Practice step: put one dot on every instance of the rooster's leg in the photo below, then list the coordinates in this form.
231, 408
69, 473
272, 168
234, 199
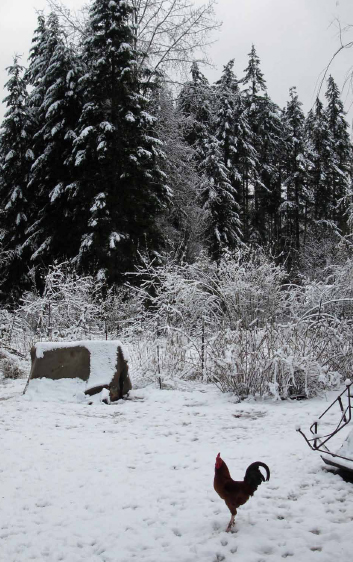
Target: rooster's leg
231, 523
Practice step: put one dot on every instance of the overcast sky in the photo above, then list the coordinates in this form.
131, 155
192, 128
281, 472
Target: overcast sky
295, 40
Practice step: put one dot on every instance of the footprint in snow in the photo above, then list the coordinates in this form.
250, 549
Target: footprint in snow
267, 549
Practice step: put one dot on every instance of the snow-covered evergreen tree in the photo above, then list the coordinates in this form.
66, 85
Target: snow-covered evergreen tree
15, 162
318, 146
267, 193
195, 103
56, 118
255, 103
43, 44
223, 226
296, 164
329, 175
340, 155
234, 136
121, 188
254, 81
228, 111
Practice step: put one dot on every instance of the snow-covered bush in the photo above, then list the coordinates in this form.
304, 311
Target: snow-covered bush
324, 248
273, 360
240, 326
250, 289
244, 288
235, 323
10, 367
71, 306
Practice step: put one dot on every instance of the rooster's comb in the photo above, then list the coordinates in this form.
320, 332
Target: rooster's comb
219, 461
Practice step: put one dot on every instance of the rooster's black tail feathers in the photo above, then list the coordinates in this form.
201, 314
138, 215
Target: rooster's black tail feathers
254, 477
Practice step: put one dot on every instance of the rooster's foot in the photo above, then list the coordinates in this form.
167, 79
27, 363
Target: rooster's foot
231, 524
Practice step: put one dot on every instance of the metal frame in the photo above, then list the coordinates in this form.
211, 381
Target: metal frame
318, 442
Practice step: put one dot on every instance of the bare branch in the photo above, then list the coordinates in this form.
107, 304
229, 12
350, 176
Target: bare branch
170, 34
73, 22
343, 45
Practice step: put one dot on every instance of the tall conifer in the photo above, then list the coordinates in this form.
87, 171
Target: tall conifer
255, 95
296, 165
15, 163
340, 155
195, 103
57, 108
121, 187
223, 227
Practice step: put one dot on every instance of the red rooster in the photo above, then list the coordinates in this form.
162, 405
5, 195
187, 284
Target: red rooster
236, 493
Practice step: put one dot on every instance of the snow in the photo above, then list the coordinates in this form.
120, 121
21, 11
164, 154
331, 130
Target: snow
107, 127
102, 357
87, 241
148, 117
124, 47
99, 202
86, 132
129, 117
64, 391
134, 480
101, 146
20, 217
56, 192
10, 155
42, 248
346, 450
114, 239
142, 153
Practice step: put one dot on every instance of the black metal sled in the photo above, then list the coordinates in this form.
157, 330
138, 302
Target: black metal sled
318, 442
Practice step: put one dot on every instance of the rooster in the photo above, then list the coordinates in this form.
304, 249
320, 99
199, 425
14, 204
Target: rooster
236, 493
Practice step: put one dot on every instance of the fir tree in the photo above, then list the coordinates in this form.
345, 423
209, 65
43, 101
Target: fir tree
228, 112
255, 102
297, 199
43, 45
195, 103
267, 192
234, 136
340, 155
121, 188
15, 162
318, 145
51, 172
223, 227
254, 79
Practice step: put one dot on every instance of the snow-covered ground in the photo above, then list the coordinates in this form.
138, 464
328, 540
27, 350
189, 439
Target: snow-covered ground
134, 480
